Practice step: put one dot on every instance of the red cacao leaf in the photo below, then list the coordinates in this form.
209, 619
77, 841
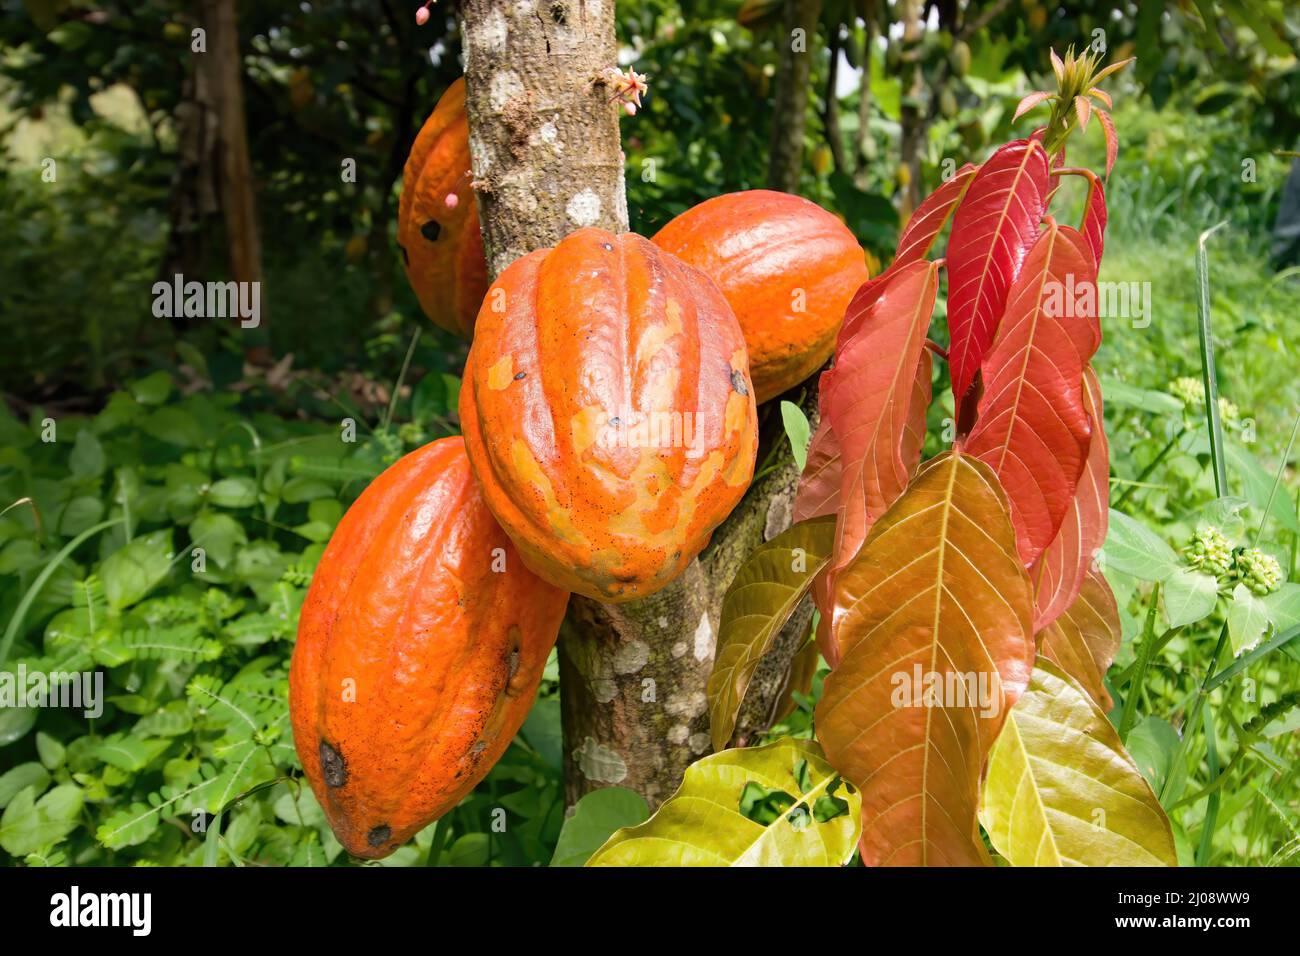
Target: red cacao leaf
1094, 217
1060, 571
1029, 102
1112, 139
1084, 641
1082, 110
1032, 427
819, 485
870, 396
937, 588
931, 216
992, 230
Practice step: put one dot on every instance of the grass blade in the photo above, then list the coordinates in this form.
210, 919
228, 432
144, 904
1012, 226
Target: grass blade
1208, 374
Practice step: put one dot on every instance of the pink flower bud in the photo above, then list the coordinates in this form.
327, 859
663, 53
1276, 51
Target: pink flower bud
629, 109
451, 201
422, 16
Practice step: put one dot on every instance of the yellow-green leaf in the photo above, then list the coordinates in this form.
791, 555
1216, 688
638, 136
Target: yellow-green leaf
702, 823
761, 599
1062, 791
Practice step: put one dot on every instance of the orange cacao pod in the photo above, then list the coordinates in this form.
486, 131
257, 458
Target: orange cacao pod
608, 412
442, 248
788, 268
421, 644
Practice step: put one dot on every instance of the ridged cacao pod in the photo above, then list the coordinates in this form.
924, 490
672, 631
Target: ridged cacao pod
788, 268
421, 644
608, 412
442, 248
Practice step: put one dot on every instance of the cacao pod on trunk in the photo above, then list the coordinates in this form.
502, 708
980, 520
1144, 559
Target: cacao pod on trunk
442, 248
787, 267
421, 644
608, 412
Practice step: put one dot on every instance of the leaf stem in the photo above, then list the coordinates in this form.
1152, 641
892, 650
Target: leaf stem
1208, 373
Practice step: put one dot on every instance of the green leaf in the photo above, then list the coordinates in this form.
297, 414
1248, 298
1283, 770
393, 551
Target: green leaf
1152, 743
1116, 392
1060, 790
1190, 596
1133, 548
20, 778
87, 458
29, 825
763, 595
797, 430
15, 722
701, 824
132, 571
152, 389
80, 513
594, 819
472, 849
50, 751
219, 535
542, 731
1247, 620
1283, 606
238, 492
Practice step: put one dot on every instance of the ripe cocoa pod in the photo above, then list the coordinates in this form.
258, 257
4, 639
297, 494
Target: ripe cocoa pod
440, 241
788, 269
608, 412
421, 644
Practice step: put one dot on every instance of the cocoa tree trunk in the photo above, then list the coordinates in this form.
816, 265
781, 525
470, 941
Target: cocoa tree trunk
911, 117
544, 144
790, 102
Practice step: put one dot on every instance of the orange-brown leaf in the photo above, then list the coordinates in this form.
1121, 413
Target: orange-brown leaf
937, 588
1084, 640
1058, 574
870, 396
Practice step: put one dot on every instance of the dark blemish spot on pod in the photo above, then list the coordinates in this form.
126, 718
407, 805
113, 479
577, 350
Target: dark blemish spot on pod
333, 766
513, 666
520, 376
609, 247
479, 747
738, 382
379, 835
431, 230
406, 258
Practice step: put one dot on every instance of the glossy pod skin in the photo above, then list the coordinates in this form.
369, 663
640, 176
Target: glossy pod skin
421, 644
608, 412
787, 267
442, 248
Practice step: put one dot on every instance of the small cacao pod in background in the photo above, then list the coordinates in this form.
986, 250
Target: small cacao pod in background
788, 269
608, 412
437, 219
421, 644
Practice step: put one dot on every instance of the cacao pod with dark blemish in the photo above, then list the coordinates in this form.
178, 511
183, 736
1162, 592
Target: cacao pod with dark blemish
419, 652
441, 243
632, 434
787, 267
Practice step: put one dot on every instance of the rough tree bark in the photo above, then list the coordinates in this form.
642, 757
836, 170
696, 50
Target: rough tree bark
912, 119
544, 143
790, 100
